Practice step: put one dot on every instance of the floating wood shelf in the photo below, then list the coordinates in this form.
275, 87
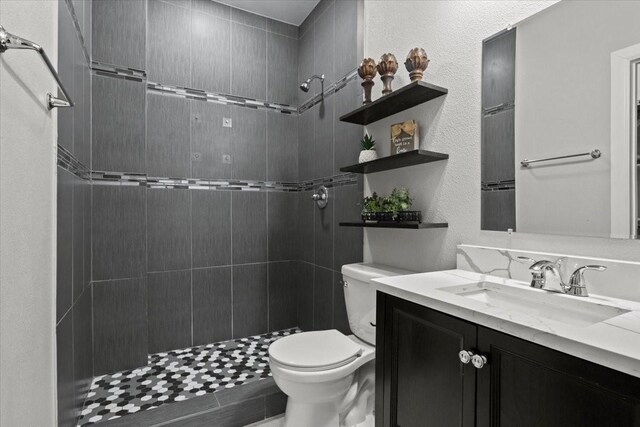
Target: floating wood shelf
406, 225
410, 158
399, 100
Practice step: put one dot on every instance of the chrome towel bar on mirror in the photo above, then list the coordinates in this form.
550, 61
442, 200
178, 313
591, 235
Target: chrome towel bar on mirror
11, 41
595, 154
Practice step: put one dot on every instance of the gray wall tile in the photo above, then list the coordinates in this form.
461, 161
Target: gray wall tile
169, 310
88, 6
120, 325
282, 28
306, 64
249, 144
306, 141
275, 404
322, 165
168, 229
347, 136
86, 231
211, 305
210, 53
282, 290
240, 414
324, 44
250, 304
82, 111
304, 295
323, 238
346, 42
118, 232
67, 41
168, 60
306, 227
82, 346
119, 32
211, 228
78, 235
168, 134
348, 240
249, 229
340, 318
322, 298
282, 216
282, 147
248, 61
282, 69
81, 148
210, 140
118, 125
64, 243
248, 18
64, 364
212, 8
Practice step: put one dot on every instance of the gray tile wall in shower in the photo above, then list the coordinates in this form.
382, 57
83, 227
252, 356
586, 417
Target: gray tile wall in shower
73, 291
204, 266
330, 43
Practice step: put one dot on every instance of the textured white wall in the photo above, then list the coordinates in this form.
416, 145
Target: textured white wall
563, 106
451, 32
27, 218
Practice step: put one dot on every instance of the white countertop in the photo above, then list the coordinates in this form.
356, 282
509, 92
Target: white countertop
614, 343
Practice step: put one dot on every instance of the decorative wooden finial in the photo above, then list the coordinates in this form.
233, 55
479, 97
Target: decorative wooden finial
387, 68
367, 71
416, 63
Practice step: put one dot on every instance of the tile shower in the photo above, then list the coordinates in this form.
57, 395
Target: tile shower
177, 229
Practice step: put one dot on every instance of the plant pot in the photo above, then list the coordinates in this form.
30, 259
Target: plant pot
367, 156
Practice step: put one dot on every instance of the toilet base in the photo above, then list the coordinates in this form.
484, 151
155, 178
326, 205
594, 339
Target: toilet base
311, 414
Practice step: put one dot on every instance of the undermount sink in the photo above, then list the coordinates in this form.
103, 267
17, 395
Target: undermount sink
553, 306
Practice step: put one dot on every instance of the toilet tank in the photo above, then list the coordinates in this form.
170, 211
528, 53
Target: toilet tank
360, 296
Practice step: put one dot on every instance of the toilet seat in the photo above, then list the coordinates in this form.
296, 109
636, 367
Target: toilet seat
314, 351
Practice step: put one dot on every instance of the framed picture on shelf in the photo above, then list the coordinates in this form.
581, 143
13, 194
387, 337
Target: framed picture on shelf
404, 137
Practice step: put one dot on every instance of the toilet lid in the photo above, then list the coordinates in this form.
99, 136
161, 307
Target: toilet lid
314, 351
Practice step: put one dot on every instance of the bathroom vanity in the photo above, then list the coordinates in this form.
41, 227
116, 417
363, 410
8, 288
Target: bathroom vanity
463, 348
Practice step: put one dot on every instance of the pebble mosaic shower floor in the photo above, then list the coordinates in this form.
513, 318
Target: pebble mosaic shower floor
178, 375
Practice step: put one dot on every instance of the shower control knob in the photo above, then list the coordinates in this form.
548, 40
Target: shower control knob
321, 197
479, 361
465, 356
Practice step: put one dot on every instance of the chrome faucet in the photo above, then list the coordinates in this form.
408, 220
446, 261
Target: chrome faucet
577, 285
539, 270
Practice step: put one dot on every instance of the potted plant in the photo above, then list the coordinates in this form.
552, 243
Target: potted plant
368, 152
392, 208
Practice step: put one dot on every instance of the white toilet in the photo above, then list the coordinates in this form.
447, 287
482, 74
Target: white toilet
328, 376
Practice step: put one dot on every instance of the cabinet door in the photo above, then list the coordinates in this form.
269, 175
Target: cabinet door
527, 385
421, 381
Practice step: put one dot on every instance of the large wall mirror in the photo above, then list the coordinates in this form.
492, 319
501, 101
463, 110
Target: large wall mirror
560, 105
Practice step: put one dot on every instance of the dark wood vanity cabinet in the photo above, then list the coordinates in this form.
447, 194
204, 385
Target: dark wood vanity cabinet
420, 380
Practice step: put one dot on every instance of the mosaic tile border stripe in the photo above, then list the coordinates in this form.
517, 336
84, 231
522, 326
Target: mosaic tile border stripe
131, 179
108, 70
219, 98
67, 161
499, 186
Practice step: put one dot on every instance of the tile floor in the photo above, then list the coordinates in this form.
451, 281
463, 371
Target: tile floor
178, 375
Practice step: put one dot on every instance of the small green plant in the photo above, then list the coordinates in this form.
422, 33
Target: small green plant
398, 201
367, 142
372, 203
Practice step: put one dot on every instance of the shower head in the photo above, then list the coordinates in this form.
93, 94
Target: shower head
304, 86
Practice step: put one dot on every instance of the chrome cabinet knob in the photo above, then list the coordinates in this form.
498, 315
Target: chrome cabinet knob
465, 356
478, 361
